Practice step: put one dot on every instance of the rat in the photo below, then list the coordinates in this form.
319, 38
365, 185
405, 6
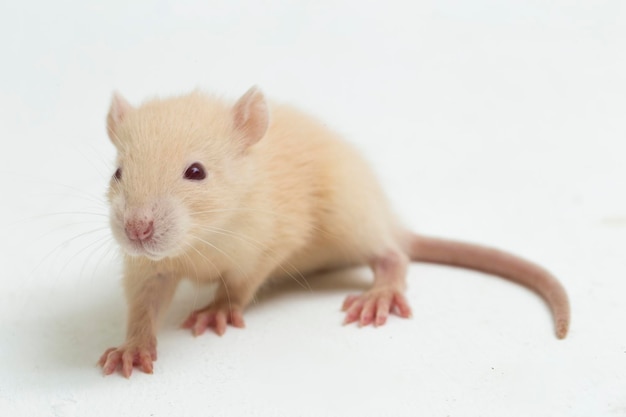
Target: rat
237, 194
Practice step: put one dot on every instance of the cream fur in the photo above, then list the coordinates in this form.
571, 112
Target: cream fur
302, 194
284, 196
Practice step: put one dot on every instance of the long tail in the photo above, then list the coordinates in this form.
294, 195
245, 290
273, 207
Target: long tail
500, 263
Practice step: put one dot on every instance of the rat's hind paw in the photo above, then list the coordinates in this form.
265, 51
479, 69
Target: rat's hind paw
215, 317
374, 306
128, 356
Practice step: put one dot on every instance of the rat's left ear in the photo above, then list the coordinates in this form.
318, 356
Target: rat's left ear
117, 112
251, 116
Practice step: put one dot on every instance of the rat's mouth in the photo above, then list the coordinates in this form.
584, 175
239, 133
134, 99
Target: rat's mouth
153, 249
148, 248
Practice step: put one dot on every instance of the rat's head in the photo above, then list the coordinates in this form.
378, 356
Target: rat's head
181, 168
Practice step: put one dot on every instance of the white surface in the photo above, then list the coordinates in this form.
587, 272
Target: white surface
497, 122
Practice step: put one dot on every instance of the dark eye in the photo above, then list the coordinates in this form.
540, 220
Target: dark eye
118, 174
195, 172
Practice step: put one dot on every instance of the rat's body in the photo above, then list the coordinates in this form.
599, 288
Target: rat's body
235, 195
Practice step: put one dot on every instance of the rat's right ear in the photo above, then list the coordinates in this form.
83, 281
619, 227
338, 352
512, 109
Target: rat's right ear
117, 112
251, 116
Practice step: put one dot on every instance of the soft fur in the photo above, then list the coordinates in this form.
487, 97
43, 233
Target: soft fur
283, 196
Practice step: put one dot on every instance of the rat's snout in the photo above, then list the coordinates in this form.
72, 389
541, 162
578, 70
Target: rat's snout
139, 229
148, 229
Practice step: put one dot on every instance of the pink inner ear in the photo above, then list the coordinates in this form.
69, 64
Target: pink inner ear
251, 116
117, 112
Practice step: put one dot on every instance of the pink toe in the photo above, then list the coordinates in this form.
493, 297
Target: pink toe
111, 363
367, 314
127, 363
353, 313
145, 360
349, 301
236, 318
104, 356
382, 311
220, 322
191, 320
402, 305
202, 322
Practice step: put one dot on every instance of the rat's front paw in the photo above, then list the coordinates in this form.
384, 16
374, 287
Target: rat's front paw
215, 316
127, 356
374, 306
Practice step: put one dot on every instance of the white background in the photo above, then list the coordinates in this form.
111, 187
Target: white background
489, 121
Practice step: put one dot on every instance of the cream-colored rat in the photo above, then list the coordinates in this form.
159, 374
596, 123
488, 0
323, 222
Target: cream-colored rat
236, 194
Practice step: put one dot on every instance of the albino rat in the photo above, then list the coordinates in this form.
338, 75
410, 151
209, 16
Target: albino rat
236, 194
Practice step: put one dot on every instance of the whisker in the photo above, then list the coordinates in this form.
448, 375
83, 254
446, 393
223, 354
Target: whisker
58, 229
196, 276
99, 240
92, 253
111, 252
65, 242
82, 193
218, 272
261, 246
50, 194
335, 238
276, 214
62, 213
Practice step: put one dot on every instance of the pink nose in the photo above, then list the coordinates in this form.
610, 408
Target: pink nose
140, 230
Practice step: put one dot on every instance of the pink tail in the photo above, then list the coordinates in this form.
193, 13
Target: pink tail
497, 262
